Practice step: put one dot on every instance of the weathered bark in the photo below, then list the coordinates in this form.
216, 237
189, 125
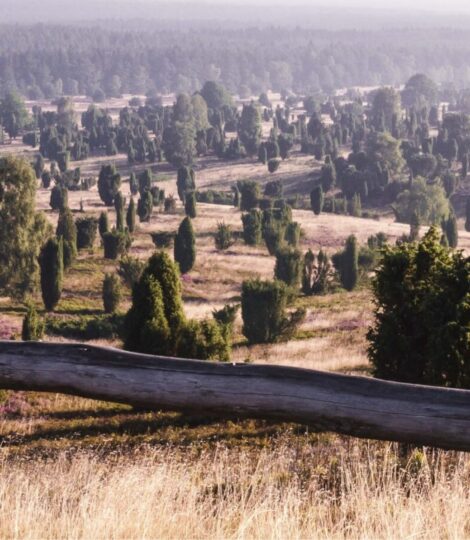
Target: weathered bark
358, 406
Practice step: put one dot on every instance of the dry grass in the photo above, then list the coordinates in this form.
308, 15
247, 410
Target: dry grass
282, 492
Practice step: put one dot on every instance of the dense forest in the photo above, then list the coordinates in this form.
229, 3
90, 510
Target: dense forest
47, 60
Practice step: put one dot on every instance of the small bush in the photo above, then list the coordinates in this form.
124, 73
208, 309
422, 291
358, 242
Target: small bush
130, 269
163, 239
116, 244
288, 266
87, 227
223, 238
316, 273
292, 235
111, 293
33, 325
264, 314
252, 227
274, 164
203, 340
103, 223
346, 263
169, 205
190, 204
59, 198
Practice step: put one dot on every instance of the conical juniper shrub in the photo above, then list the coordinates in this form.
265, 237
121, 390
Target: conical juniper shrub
185, 246
51, 262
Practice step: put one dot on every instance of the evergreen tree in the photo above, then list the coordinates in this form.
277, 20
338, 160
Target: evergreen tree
223, 238
250, 194
145, 207
130, 216
33, 326
111, 293
22, 230
292, 235
103, 224
420, 334
288, 266
185, 182
67, 230
59, 197
109, 182
252, 227
116, 243
86, 231
190, 204
316, 273
264, 314
316, 200
39, 165
185, 246
449, 227
119, 206
346, 263
249, 130
51, 261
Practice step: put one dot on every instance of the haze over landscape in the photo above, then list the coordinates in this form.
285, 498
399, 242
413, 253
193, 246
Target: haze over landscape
234, 269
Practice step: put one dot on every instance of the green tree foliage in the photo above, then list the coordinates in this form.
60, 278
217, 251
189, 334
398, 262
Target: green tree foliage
427, 199
111, 293
288, 266
130, 216
67, 230
274, 164
103, 223
109, 182
119, 206
449, 227
33, 326
422, 317
316, 200
386, 106
223, 237
203, 340
13, 114
185, 246
130, 269
86, 231
252, 227
216, 96
59, 197
185, 182
316, 273
146, 327
145, 207
346, 263
190, 204
420, 91
249, 130
250, 194
51, 261
292, 235
384, 149
115, 243
22, 230
265, 319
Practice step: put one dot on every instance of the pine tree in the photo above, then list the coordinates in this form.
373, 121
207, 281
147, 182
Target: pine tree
51, 261
185, 246
130, 216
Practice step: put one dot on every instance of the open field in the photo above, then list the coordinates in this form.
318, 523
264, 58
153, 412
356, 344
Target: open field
76, 468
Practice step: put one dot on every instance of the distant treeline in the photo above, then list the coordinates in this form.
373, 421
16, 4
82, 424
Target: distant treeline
47, 61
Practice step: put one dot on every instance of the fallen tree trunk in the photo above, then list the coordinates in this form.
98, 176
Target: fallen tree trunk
359, 406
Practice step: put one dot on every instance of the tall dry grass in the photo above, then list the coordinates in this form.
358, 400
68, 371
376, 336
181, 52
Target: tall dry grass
363, 491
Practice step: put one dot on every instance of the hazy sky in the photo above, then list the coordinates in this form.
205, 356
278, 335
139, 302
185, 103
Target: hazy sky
435, 5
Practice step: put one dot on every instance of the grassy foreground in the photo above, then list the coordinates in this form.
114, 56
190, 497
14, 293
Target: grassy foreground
74, 468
